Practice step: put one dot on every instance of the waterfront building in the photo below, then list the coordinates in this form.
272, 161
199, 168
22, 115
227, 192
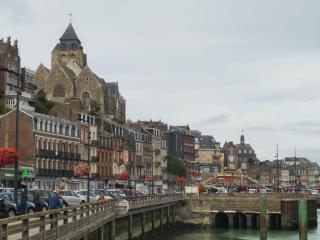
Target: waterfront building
245, 154
229, 156
104, 152
129, 157
50, 145
305, 173
209, 155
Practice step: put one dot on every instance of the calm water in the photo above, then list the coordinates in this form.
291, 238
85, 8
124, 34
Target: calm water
237, 234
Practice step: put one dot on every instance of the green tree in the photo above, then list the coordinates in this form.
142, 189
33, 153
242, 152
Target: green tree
3, 108
175, 166
43, 105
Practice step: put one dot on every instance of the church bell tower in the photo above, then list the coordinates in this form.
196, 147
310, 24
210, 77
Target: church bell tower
69, 49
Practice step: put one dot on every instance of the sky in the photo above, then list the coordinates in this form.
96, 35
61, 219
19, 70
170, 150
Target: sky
223, 67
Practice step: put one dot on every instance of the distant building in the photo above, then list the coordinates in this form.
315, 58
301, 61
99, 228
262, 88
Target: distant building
181, 143
9, 70
245, 154
28, 82
229, 154
210, 157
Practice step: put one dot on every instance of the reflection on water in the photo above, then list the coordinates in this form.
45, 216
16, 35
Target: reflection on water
238, 234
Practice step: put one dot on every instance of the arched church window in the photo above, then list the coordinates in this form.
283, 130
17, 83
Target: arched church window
58, 91
85, 95
63, 46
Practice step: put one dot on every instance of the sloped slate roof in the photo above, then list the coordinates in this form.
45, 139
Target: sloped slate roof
69, 34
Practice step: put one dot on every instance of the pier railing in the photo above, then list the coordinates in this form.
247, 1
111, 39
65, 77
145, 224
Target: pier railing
59, 223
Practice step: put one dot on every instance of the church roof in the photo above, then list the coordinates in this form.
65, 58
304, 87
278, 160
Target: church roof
69, 34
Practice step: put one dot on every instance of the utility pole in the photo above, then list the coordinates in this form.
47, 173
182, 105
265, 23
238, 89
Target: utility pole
88, 179
295, 169
278, 168
16, 164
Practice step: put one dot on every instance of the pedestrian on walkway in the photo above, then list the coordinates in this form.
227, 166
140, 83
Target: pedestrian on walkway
37, 199
54, 202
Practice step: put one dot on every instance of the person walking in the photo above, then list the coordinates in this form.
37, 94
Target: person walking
54, 202
37, 199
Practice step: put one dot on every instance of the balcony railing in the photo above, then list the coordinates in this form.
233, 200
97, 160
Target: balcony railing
58, 155
95, 142
139, 163
46, 153
95, 159
157, 151
54, 173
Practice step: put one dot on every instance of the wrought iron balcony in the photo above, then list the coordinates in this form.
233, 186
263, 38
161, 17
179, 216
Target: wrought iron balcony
95, 159
46, 153
95, 142
139, 163
54, 173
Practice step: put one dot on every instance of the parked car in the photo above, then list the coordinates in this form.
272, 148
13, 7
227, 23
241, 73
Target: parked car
72, 198
252, 190
115, 193
98, 192
8, 196
7, 209
83, 193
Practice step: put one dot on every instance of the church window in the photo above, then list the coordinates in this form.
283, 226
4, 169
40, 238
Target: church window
58, 91
58, 72
87, 78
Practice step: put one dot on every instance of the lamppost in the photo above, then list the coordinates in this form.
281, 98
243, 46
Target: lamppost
278, 168
295, 169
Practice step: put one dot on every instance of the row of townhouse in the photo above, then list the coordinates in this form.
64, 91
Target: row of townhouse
52, 147
290, 172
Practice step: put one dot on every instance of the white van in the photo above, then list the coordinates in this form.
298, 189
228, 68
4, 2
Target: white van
252, 190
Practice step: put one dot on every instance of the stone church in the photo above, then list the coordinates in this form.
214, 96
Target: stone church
70, 78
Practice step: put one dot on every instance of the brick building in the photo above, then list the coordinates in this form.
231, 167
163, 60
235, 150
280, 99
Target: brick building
50, 145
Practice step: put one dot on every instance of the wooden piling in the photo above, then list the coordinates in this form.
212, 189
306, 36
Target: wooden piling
303, 220
263, 219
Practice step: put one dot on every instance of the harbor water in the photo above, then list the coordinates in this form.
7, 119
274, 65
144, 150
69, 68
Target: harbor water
235, 234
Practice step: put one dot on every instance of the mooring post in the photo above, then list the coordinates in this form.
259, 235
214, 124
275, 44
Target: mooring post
303, 220
263, 219
113, 229
168, 217
130, 227
143, 223
173, 214
101, 233
153, 222
161, 219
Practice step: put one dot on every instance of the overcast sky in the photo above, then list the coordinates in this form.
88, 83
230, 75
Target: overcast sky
219, 66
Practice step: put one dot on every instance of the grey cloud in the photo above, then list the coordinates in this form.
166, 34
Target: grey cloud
216, 119
247, 61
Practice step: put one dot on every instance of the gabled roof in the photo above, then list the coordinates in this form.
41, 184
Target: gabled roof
69, 34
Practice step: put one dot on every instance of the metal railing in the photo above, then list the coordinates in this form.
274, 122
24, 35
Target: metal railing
70, 222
